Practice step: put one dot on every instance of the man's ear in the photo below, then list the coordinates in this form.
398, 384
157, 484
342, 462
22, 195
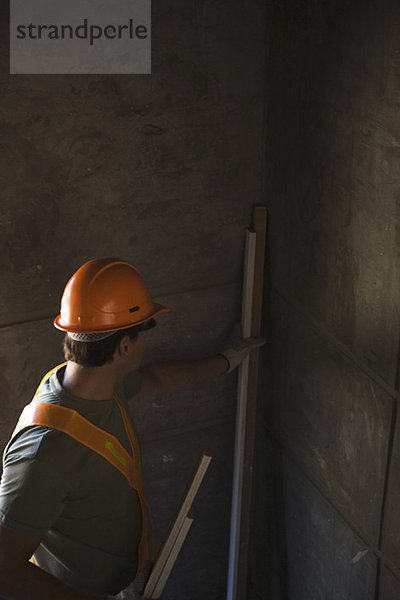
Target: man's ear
123, 346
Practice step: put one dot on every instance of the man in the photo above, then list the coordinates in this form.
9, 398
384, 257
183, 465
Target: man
71, 494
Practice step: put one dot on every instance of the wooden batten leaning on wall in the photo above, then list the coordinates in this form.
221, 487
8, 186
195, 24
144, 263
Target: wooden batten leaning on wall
246, 408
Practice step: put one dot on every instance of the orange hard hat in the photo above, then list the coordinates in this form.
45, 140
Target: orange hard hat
105, 294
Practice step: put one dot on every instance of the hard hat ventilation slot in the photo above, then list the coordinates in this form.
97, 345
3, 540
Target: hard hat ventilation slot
134, 309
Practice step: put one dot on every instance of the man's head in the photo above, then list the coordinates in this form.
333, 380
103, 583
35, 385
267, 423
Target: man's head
97, 352
105, 306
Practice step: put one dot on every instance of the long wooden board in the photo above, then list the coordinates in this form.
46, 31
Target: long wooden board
241, 409
186, 525
174, 536
260, 229
246, 409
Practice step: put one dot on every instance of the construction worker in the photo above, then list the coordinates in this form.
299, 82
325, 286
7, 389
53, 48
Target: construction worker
74, 517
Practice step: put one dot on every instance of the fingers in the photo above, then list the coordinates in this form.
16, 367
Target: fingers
247, 344
142, 577
257, 342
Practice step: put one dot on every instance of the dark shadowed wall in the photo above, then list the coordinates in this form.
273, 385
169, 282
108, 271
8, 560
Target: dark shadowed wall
161, 170
329, 438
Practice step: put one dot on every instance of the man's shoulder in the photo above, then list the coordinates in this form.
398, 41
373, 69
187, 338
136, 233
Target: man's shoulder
27, 441
45, 444
50, 445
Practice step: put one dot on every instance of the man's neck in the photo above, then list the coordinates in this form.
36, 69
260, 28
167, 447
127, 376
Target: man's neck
89, 383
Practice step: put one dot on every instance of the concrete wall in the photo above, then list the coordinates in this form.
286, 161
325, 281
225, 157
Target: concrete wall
329, 429
161, 170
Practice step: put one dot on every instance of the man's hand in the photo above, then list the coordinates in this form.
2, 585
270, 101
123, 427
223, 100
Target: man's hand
239, 347
20, 579
136, 588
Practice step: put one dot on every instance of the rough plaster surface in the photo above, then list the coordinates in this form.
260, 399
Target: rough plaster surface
390, 586
333, 169
334, 418
391, 535
332, 181
327, 559
161, 169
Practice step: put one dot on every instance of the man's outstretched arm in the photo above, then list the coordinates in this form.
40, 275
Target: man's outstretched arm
169, 376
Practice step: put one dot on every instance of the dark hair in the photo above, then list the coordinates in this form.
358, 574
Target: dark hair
95, 354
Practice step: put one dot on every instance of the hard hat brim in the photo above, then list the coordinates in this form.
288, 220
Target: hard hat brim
157, 309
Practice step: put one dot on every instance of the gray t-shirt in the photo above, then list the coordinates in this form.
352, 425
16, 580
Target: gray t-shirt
82, 508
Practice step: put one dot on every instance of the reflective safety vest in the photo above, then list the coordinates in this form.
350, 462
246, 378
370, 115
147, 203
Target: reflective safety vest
73, 424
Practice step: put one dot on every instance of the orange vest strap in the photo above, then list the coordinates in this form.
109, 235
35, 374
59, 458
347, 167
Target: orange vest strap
147, 540
73, 424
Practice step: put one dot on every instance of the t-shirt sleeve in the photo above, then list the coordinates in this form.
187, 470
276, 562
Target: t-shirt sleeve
32, 495
130, 386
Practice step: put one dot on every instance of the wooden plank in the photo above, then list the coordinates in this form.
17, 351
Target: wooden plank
175, 530
165, 573
259, 227
237, 487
